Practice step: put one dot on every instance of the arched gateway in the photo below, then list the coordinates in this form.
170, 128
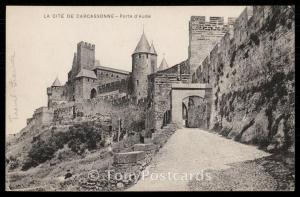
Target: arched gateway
190, 105
93, 93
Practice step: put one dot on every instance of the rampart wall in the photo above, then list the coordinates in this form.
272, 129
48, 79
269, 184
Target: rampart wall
253, 78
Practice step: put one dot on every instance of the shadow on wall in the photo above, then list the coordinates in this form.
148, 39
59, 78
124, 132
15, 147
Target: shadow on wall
194, 112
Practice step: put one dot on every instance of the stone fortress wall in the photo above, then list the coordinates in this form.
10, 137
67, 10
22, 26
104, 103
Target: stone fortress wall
42, 115
56, 95
121, 86
107, 75
124, 108
252, 74
204, 35
248, 56
159, 86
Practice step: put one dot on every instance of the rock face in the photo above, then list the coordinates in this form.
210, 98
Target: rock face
253, 79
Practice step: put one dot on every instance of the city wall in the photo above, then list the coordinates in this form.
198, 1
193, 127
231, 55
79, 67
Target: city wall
253, 76
159, 94
130, 111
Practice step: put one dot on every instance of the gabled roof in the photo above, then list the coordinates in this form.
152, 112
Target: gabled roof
56, 83
112, 70
143, 45
86, 73
152, 49
163, 65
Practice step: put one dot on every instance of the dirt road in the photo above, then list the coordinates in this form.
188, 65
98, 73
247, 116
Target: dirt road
194, 153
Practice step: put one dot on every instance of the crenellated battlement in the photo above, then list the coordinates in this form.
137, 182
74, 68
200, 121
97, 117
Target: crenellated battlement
253, 19
204, 35
86, 45
198, 24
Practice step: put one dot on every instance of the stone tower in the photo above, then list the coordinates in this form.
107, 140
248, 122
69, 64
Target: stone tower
144, 63
85, 55
203, 36
55, 93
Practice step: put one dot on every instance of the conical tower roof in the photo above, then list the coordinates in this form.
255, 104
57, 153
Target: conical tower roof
56, 82
143, 45
152, 49
163, 65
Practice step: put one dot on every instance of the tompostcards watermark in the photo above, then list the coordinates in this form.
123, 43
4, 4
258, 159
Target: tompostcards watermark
201, 175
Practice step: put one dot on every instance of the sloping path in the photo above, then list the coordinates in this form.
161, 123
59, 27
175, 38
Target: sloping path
191, 152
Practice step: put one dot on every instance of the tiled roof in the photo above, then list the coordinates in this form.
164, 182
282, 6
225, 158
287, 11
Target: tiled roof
112, 69
163, 65
143, 45
152, 49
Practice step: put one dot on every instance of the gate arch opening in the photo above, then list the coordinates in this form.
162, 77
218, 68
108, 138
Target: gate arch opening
185, 112
190, 105
93, 93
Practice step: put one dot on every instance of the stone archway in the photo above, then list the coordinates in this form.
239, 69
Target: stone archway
185, 112
200, 95
93, 93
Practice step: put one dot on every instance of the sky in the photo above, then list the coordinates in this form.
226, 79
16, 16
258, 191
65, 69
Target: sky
41, 41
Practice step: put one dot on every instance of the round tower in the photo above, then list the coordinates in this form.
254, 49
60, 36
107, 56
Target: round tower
144, 63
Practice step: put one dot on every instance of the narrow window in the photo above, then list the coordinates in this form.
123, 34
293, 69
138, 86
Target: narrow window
137, 82
139, 55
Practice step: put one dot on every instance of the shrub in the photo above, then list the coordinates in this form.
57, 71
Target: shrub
76, 146
40, 152
64, 154
84, 134
79, 138
12, 162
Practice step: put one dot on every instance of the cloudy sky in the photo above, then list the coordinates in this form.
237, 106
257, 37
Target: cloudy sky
41, 42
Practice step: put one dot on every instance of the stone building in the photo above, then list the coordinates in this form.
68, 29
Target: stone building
88, 79
166, 92
146, 84
203, 36
144, 63
237, 75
